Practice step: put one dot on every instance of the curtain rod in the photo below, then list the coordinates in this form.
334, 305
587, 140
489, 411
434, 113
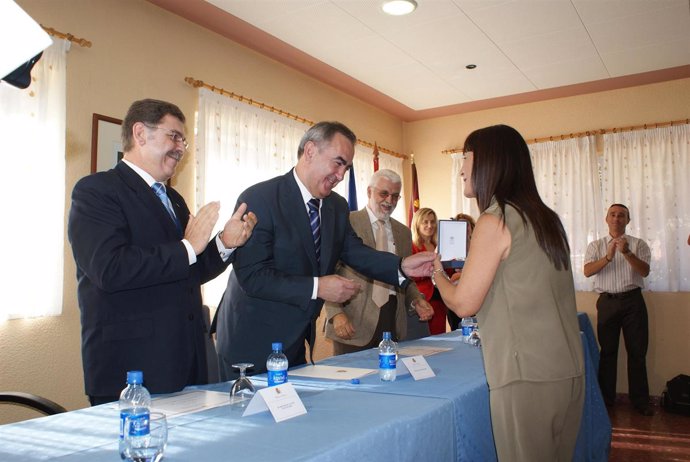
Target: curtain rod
79, 41
200, 83
601, 131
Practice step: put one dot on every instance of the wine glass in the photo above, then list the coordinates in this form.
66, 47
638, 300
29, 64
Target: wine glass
142, 444
242, 389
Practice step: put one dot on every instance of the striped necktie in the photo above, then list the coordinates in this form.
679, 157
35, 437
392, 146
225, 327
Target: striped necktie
159, 189
315, 223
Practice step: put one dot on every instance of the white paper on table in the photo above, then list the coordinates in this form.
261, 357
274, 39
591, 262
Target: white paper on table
319, 371
187, 402
421, 350
418, 367
282, 400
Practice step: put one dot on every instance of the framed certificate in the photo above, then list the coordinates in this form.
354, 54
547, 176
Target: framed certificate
452, 243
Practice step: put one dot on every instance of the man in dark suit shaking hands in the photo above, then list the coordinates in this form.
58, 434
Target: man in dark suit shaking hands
284, 273
141, 259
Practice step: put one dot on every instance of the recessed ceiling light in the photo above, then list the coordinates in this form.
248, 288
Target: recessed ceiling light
399, 7
471, 66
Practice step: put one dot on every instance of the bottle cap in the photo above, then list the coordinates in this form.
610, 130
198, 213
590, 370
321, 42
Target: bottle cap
386, 335
135, 377
354, 381
277, 346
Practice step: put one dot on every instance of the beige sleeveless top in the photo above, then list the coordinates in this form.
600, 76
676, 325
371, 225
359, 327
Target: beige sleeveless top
528, 321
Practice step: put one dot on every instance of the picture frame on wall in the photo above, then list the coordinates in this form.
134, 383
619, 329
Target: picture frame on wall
106, 142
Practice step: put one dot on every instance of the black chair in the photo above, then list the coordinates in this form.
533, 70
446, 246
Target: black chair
35, 402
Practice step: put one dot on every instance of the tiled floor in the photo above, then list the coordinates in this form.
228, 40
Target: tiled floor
636, 438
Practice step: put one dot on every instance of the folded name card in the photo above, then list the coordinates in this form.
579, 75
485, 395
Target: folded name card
418, 367
282, 400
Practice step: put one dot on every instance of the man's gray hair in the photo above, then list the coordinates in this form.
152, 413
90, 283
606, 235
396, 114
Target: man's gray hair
385, 173
324, 132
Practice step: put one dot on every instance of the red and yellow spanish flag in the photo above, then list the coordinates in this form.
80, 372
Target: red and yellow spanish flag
414, 200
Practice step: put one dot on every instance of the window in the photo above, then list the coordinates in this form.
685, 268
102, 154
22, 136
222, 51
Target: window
32, 130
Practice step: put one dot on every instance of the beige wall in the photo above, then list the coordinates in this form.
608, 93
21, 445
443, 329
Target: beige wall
618, 108
142, 51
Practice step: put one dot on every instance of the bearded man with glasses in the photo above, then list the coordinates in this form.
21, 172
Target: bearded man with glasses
358, 323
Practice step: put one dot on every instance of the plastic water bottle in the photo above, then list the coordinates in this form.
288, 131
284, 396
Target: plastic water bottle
277, 365
135, 401
467, 326
388, 355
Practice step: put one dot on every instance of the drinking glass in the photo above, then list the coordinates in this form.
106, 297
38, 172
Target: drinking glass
475, 339
242, 389
147, 447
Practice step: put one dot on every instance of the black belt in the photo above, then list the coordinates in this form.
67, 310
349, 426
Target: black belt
620, 295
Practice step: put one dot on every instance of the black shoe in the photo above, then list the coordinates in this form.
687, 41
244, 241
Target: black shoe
644, 410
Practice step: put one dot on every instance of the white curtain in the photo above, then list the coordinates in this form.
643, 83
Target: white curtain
644, 169
460, 203
32, 129
567, 177
238, 145
647, 170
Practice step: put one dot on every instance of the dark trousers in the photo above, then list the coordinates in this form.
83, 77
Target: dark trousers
453, 320
626, 312
386, 323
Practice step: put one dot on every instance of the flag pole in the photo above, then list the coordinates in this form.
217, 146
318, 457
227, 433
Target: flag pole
414, 200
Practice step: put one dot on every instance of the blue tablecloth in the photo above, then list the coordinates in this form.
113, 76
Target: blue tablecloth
460, 380
340, 425
444, 418
594, 440
589, 339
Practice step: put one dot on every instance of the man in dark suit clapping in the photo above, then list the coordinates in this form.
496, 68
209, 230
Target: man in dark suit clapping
141, 259
284, 273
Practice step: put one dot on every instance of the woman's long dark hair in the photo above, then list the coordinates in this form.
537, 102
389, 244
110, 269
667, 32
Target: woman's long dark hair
502, 169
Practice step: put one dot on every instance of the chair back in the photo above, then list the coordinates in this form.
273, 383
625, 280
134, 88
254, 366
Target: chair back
35, 402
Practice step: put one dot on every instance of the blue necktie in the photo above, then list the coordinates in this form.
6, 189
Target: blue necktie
315, 223
159, 189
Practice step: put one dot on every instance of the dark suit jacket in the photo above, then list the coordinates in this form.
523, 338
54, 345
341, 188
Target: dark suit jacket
139, 298
361, 310
268, 298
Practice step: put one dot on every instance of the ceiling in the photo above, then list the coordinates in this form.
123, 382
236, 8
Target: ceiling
414, 66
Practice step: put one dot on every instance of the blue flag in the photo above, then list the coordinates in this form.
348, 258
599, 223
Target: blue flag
352, 191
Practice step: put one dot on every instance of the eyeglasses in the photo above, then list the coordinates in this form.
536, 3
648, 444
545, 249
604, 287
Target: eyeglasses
385, 195
175, 136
